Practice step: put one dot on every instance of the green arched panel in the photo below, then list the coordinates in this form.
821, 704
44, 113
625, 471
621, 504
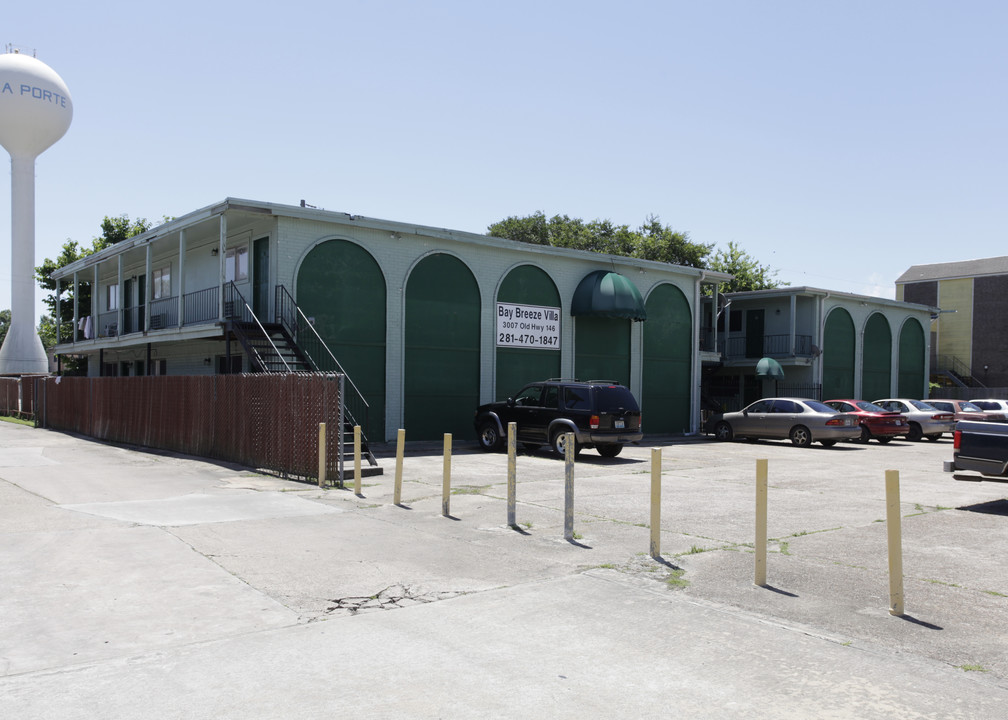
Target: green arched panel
602, 349
911, 360
518, 366
442, 364
838, 355
667, 370
341, 286
876, 366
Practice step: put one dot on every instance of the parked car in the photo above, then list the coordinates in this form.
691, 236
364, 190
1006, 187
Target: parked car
992, 405
601, 414
965, 410
925, 420
875, 421
803, 421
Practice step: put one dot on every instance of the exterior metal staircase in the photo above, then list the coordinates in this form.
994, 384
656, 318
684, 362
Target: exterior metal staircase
291, 344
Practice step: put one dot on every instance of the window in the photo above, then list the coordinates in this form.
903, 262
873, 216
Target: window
236, 264
735, 321
162, 282
112, 297
530, 396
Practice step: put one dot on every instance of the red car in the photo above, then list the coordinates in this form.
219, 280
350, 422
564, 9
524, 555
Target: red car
876, 422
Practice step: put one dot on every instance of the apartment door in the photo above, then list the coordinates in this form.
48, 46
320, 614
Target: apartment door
754, 333
260, 277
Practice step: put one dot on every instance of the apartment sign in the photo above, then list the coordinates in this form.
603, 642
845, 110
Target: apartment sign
528, 326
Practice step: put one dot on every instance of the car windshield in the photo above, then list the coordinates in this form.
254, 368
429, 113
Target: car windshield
986, 404
819, 407
870, 407
922, 405
970, 407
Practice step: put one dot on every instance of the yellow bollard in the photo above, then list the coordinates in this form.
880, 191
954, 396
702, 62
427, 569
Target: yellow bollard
656, 455
321, 455
569, 487
356, 459
446, 481
761, 522
895, 532
512, 444
400, 451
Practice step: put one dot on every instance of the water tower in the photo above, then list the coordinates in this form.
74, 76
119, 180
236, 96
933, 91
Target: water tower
35, 112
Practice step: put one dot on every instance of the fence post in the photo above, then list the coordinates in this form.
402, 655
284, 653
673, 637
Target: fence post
511, 473
357, 459
446, 477
761, 522
656, 458
400, 451
569, 487
895, 532
321, 455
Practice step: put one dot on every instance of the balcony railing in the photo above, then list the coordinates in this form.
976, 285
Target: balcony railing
199, 307
773, 346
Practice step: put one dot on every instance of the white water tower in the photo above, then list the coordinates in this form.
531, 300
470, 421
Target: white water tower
35, 112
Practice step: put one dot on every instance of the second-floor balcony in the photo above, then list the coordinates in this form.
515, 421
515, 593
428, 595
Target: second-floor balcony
742, 346
200, 307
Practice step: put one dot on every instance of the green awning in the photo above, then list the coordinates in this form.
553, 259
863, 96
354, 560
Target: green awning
768, 367
610, 295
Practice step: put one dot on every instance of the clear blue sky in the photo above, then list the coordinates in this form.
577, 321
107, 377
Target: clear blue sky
837, 142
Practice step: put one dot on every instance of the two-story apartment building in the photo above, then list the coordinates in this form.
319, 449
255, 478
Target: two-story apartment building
426, 322
811, 342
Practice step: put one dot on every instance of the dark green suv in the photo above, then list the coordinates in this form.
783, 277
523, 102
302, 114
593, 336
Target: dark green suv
600, 413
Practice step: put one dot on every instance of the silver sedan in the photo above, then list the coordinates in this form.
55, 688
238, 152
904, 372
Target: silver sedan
925, 420
801, 421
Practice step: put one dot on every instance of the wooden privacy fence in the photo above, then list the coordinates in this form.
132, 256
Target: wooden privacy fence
262, 421
17, 397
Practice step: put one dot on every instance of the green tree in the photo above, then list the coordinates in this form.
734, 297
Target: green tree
114, 230
5, 320
650, 241
749, 273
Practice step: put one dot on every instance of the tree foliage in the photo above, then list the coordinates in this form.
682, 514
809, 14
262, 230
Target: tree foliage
650, 241
748, 273
114, 230
5, 321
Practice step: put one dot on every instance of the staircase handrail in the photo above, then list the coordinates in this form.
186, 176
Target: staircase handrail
293, 331
232, 290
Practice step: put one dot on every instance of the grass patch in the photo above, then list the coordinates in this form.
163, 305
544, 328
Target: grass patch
973, 668
694, 550
675, 580
526, 525
578, 536
784, 548
469, 490
942, 582
17, 420
995, 593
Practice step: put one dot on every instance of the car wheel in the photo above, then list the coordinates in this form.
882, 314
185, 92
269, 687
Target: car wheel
489, 436
933, 438
723, 431
800, 436
531, 447
865, 434
559, 444
915, 433
609, 450
884, 441
828, 443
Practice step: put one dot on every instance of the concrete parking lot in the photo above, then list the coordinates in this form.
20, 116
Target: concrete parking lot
142, 584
